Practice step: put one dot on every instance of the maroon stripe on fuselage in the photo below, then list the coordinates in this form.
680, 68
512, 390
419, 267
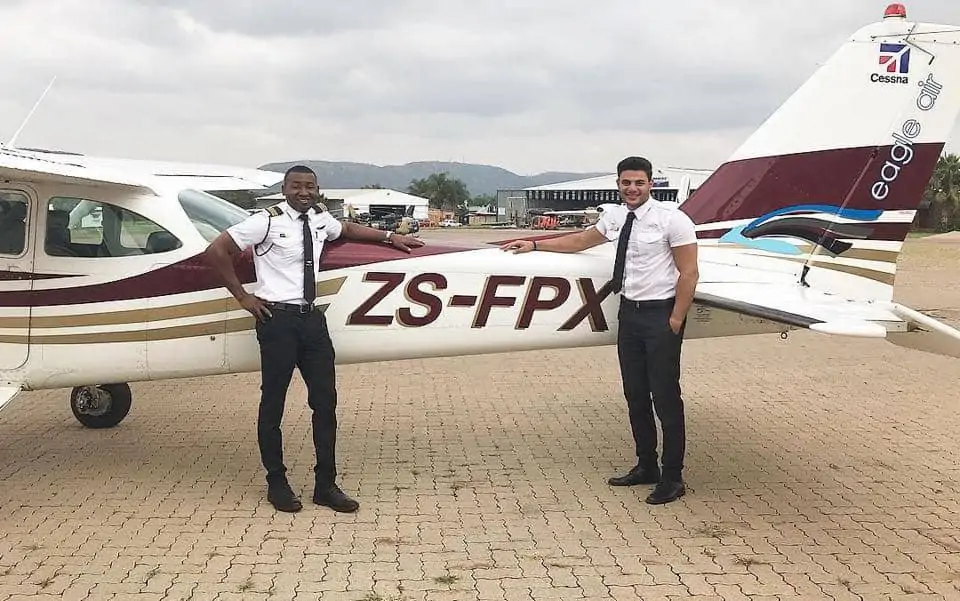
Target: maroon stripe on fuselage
749, 188
193, 275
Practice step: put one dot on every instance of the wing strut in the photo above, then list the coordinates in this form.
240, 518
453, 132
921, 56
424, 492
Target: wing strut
7, 394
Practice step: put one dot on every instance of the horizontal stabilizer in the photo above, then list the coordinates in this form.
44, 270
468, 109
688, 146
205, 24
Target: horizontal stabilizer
795, 305
7, 394
926, 333
832, 314
850, 327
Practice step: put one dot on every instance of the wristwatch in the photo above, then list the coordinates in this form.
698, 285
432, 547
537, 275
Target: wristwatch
387, 239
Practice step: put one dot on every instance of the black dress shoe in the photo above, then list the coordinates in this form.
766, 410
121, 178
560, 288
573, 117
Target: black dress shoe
667, 491
334, 498
637, 475
282, 498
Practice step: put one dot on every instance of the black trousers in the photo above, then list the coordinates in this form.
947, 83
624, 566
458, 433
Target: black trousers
300, 340
649, 355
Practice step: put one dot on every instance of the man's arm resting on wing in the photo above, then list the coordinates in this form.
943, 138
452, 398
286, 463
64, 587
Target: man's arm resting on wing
355, 231
571, 243
685, 258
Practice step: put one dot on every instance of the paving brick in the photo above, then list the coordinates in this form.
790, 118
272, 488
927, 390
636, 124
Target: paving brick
807, 479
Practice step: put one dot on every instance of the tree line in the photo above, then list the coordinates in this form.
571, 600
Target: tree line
942, 194
449, 193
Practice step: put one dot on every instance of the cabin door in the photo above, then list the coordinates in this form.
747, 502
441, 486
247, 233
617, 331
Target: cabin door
17, 213
186, 335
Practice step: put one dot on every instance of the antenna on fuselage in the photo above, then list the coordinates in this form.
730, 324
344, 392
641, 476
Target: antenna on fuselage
16, 134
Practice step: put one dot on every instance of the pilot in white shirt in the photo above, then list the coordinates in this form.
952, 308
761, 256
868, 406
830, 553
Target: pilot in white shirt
650, 272
276, 236
655, 272
287, 241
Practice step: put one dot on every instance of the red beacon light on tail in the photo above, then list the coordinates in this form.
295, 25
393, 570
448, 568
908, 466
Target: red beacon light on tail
895, 11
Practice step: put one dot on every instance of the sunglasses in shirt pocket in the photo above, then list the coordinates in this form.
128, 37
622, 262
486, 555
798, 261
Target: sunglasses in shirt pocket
287, 246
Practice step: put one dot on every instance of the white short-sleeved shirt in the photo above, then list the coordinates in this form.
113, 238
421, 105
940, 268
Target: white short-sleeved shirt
279, 260
650, 272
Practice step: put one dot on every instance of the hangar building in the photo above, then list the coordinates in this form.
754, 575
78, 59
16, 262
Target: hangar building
670, 184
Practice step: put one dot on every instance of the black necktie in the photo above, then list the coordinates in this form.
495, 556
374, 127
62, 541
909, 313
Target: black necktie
621, 261
309, 281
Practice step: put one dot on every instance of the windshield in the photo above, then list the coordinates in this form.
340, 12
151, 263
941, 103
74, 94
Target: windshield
210, 214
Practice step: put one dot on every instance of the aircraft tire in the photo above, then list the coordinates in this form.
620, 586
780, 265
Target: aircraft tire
102, 406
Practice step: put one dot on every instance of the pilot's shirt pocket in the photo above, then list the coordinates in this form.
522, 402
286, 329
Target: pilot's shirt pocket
649, 238
287, 245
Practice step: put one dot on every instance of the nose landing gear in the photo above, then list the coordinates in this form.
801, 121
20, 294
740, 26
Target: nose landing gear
101, 406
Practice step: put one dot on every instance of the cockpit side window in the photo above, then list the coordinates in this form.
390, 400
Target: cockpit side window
13, 223
77, 227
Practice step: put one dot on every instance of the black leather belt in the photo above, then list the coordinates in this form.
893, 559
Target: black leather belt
292, 307
648, 304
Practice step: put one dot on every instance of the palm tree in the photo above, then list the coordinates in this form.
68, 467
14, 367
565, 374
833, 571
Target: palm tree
444, 192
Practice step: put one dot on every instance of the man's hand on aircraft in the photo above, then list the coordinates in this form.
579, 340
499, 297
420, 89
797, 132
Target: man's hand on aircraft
518, 246
256, 306
405, 243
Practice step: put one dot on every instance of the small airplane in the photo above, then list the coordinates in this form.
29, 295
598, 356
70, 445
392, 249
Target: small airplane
103, 280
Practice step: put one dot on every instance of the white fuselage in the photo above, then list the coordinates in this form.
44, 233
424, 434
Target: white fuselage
457, 303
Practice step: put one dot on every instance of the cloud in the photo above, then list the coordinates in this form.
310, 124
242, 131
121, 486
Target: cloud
530, 86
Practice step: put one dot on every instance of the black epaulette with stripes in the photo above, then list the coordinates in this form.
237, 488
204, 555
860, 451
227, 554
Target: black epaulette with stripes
274, 211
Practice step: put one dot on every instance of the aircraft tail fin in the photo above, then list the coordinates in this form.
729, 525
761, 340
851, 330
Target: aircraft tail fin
832, 180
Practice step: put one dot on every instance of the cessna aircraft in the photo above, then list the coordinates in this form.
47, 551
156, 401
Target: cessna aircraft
103, 280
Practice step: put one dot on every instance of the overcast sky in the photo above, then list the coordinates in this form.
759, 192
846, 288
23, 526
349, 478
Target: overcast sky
529, 85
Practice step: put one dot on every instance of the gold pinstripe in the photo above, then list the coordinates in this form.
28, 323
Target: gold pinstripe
865, 254
152, 314
864, 272
211, 328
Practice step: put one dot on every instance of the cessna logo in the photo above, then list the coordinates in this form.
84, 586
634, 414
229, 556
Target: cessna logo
498, 292
895, 62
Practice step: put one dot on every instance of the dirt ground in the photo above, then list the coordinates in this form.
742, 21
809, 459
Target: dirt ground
817, 468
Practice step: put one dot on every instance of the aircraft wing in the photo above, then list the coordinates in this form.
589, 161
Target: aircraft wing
191, 175
26, 165
803, 307
216, 183
21, 166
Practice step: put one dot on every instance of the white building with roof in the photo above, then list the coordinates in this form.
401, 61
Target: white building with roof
671, 184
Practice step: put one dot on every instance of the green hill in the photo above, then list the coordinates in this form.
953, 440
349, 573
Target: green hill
479, 179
